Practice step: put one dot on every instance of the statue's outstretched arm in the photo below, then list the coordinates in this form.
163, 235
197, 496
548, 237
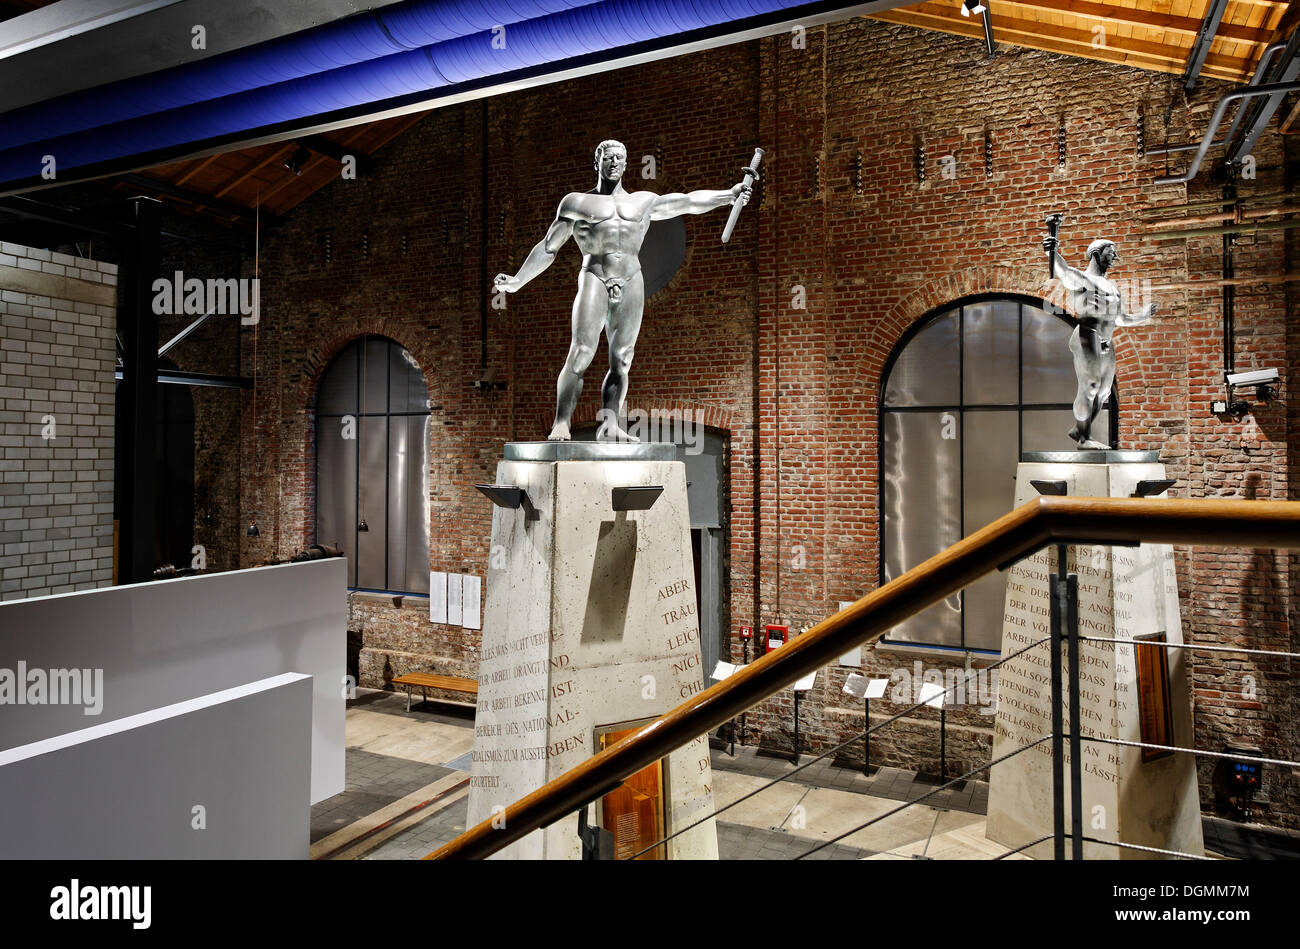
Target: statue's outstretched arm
1137, 319
541, 256
697, 202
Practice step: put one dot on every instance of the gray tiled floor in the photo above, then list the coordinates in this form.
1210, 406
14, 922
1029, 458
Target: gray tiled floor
735, 841
892, 783
741, 842
373, 781
426, 836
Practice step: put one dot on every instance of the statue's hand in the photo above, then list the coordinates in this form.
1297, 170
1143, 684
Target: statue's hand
504, 281
740, 193
1050, 243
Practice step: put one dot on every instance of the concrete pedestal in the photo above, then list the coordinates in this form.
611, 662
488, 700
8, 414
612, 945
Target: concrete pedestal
590, 626
1123, 593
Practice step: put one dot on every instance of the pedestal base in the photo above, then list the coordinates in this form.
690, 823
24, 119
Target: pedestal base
1124, 594
590, 630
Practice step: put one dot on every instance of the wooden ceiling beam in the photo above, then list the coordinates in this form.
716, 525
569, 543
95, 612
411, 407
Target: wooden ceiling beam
198, 166
1286, 26
273, 153
198, 199
315, 162
1072, 42
1127, 15
396, 127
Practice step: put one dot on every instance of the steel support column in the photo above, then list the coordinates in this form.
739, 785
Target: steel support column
138, 393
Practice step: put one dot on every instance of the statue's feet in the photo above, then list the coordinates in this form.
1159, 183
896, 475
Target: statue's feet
559, 433
1085, 444
610, 431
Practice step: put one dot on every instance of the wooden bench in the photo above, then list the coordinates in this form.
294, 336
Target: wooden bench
428, 680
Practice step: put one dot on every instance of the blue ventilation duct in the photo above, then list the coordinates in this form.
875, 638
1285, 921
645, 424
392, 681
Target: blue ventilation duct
356, 39
345, 65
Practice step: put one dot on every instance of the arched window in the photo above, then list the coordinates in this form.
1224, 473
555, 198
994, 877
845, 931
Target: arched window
372, 466
965, 391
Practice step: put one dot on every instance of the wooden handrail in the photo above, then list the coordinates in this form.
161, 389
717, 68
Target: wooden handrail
1044, 521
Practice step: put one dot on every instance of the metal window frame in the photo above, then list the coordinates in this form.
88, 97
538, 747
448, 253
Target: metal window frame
960, 409
359, 345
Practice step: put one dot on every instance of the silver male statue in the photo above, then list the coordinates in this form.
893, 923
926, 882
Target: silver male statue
1099, 309
608, 224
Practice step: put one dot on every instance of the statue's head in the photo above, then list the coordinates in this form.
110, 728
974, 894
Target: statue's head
1104, 252
611, 159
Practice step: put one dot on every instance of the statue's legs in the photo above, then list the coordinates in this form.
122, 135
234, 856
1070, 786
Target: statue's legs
589, 310
1094, 367
621, 330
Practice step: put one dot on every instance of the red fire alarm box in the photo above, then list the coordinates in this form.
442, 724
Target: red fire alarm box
746, 632
776, 636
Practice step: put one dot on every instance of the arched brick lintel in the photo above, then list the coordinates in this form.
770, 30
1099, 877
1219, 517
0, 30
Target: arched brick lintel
943, 292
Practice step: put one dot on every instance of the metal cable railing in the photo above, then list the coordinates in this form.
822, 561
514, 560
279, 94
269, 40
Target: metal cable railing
1235, 756
1045, 521
826, 754
918, 800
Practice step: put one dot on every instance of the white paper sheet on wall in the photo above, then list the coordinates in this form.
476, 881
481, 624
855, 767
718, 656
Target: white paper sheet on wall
454, 613
470, 591
437, 597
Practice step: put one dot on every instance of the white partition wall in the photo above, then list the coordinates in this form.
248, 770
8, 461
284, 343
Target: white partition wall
155, 644
222, 776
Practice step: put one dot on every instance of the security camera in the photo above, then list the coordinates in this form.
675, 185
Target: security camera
488, 381
1256, 377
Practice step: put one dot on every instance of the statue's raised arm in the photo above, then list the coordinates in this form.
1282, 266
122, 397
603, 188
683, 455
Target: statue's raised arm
1073, 279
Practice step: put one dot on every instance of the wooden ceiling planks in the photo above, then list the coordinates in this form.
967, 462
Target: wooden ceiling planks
258, 175
1146, 34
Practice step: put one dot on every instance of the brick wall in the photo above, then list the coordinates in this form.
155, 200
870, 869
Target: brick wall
56, 452
795, 389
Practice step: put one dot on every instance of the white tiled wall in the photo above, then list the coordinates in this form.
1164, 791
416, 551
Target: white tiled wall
57, 358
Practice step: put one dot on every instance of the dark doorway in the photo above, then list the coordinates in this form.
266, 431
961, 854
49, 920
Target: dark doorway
173, 532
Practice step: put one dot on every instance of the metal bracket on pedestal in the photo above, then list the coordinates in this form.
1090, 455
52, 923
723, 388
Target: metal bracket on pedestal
1051, 488
636, 498
509, 496
1148, 489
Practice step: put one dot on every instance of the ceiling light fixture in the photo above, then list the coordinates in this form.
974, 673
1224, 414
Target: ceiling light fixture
298, 160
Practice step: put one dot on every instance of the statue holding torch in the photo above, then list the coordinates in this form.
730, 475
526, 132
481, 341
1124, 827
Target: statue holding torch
1099, 309
609, 224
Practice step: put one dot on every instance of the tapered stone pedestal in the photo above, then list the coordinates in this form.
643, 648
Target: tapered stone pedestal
590, 630
1123, 594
